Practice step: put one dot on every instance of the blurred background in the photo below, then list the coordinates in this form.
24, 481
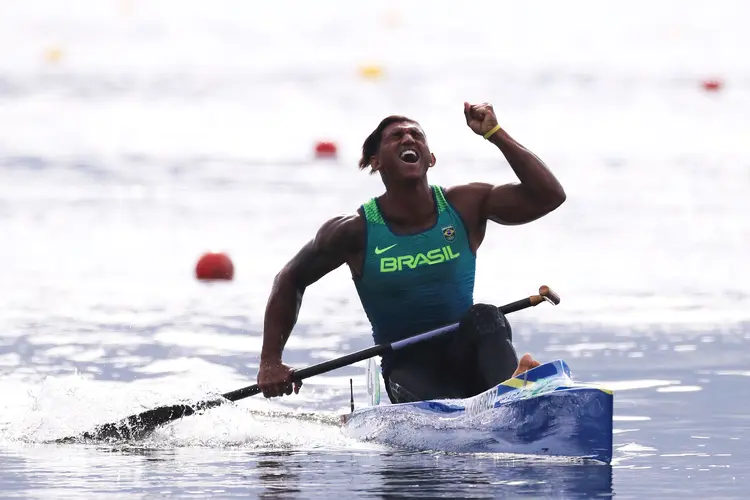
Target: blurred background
136, 136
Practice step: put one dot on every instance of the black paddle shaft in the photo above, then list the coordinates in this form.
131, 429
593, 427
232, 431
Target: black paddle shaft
136, 426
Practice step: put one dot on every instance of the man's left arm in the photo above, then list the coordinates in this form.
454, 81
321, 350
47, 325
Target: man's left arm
538, 191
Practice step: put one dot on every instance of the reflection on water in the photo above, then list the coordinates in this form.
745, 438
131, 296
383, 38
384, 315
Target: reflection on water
277, 474
456, 476
297, 474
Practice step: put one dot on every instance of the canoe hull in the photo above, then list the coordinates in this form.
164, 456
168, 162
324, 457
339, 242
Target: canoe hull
544, 413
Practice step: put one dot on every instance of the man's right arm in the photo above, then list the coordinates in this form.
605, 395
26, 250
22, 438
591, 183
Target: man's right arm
332, 246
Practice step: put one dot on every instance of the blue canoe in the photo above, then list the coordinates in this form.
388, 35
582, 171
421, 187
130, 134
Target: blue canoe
540, 412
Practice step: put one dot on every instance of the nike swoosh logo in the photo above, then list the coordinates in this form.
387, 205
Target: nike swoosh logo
378, 251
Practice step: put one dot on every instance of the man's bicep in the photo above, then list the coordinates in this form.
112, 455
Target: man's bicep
324, 253
507, 204
512, 204
311, 263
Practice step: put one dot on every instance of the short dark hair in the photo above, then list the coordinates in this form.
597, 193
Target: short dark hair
372, 144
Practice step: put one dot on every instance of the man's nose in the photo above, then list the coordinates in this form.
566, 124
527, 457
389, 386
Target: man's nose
408, 139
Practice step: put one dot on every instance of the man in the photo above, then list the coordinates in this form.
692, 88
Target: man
411, 252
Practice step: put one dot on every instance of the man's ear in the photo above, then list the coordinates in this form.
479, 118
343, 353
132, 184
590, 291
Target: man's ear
374, 163
434, 160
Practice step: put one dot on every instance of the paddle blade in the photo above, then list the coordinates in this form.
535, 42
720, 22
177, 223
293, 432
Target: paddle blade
137, 426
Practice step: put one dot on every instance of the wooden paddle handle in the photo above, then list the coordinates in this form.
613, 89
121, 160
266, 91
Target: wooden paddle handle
549, 295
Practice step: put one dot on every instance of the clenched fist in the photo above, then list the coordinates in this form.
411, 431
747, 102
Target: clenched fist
480, 117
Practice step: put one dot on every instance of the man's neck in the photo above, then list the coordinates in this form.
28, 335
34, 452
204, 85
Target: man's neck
409, 203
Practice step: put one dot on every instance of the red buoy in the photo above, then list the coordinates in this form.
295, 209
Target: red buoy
712, 85
214, 266
325, 149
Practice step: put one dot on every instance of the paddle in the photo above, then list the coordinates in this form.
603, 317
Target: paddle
140, 424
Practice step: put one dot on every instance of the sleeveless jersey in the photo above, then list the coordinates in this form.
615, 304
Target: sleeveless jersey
417, 282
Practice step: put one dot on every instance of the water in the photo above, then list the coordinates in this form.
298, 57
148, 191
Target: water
136, 136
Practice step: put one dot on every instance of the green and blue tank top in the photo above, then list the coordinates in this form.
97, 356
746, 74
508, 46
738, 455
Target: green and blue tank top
417, 282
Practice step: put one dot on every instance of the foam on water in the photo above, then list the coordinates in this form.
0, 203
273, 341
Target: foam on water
67, 406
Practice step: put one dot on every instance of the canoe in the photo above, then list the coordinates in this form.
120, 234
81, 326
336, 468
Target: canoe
540, 412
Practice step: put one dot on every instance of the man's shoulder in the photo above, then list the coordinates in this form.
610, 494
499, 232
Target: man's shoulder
468, 200
345, 221
346, 229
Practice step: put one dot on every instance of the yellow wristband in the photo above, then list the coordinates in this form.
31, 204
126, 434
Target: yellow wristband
494, 129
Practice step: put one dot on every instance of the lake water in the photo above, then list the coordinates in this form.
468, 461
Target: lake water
138, 135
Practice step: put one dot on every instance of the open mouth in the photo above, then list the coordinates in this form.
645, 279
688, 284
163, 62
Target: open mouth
409, 156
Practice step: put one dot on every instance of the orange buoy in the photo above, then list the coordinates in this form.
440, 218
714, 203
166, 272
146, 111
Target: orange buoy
214, 266
712, 85
325, 149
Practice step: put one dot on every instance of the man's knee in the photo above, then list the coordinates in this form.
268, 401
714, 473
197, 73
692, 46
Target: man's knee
485, 319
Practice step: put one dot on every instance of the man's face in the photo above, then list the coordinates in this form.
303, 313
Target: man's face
404, 153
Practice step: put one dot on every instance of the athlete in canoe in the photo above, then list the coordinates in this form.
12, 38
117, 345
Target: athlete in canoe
412, 252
